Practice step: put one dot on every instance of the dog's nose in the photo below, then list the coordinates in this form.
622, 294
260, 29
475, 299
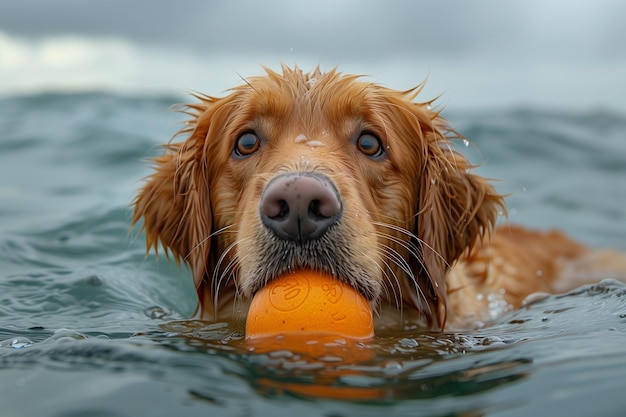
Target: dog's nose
300, 207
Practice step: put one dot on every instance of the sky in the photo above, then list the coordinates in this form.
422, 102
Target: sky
475, 54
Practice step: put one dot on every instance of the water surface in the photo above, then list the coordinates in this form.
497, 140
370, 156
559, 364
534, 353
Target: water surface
90, 325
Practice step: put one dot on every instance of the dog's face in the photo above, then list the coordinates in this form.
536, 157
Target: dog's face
317, 171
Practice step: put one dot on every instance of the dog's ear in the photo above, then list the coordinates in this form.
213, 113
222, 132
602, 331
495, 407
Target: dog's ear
455, 208
175, 202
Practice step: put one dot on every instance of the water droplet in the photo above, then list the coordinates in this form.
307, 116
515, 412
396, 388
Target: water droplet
392, 368
18, 342
466, 142
156, 312
408, 343
280, 354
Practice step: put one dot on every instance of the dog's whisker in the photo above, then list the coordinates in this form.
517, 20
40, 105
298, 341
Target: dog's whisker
232, 245
226, 272
382, 271
408, 245
204, 240
413, 236
218, 267
396, 258
393, 284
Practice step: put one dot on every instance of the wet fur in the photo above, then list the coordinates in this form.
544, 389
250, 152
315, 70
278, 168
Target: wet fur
417, 231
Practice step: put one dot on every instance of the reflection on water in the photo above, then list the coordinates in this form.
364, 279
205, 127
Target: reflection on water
409, 366
381, 370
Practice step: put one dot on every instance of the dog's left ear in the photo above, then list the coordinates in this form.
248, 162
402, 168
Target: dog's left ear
455, 209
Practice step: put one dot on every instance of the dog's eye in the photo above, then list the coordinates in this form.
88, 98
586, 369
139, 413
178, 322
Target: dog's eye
370, 145
247, 144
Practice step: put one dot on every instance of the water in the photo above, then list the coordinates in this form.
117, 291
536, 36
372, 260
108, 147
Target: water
91, 326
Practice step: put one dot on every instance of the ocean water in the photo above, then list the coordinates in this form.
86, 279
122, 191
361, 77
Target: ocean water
91, 326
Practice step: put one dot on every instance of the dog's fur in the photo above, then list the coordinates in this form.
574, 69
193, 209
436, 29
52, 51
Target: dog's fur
417, 231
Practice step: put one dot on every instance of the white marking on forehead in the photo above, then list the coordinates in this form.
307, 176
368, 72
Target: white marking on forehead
301, 138
315, 143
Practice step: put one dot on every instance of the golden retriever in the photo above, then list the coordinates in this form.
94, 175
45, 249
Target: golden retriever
329, 172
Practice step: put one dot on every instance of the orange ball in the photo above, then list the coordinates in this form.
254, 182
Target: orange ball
309, 302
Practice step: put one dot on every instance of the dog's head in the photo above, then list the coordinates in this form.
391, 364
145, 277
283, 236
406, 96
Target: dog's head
322, 171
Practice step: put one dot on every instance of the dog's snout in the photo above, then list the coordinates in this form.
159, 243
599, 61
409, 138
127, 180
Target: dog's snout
300, 207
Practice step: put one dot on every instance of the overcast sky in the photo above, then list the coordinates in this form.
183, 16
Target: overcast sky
547, 53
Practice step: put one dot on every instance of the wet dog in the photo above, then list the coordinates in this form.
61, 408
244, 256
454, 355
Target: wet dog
325, 171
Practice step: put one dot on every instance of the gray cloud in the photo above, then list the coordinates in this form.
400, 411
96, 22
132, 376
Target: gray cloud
556, 52
330, 29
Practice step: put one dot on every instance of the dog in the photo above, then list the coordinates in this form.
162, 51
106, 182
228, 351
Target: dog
322, 170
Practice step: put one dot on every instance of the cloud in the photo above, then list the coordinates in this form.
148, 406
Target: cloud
337, 29
480, 53
61, 63
79, 63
